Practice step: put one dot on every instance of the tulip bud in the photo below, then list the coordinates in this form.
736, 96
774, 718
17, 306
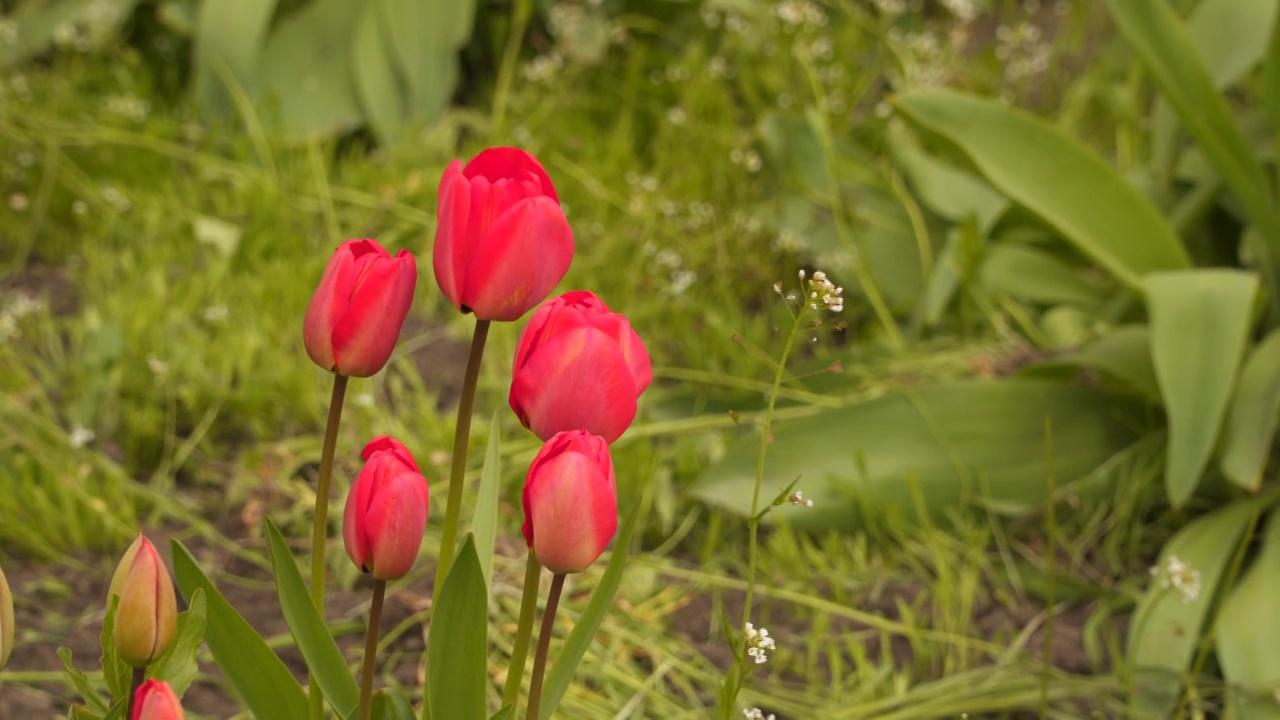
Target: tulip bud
147, 616
578, 366
155, 700
502, 241
355, 315
386, 511
6, 620
570, 502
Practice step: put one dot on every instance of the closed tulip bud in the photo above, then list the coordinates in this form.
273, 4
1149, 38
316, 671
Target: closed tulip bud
147, 615
6, 620
386, 511
570, 502
155, 700
578, 366
355, 315
502, 241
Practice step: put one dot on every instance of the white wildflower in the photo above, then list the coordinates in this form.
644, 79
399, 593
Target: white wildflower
757, 714
1179, 575
797, 498
759, 644
80, 436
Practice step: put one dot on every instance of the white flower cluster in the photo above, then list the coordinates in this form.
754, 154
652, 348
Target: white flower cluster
823, 290
797, 498
757, 714
1177, 574
758, 643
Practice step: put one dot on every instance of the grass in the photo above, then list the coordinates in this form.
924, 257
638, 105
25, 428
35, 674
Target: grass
173, 263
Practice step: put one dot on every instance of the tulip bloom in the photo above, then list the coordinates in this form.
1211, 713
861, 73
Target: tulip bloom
355, 315
502, 241
147, 616
155, 700
578, 366
570, 502
6, 620
386, 511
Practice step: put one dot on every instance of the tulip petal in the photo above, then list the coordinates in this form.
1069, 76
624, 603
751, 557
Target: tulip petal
449, 254
396, 519
509, 162
577, 380
327, 305
366, 335
522, 257
575, 503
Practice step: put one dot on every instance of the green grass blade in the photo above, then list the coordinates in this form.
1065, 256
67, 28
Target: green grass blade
1057, 178
258, 676
391, 704
484, 526
1251, 424
315, 642
1200, 320
1248, 633
584, 631
457, 647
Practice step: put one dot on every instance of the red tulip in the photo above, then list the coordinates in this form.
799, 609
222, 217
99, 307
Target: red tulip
355, 315
147, 616
570, 502
578, 367
155, 700
502, 241
386, 511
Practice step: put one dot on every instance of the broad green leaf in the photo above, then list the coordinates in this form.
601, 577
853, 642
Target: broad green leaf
484, 525
424, 39
258, 676
381, 92
570, 655
948, 191
229, 38
391, 704
178, 667
38, 24
1123, 353
1200, 320
80, 681
315, 642
1166, 626
457, 647
1248, 633
1271, 80
1163, 44
1032, 274
1057, 178
1231, 36
1251, 424
115, 672
960, 442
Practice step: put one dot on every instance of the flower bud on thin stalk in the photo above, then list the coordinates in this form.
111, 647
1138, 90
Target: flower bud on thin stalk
6, 621
146, 618
155, 700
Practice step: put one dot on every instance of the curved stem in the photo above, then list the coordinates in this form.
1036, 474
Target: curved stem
524, 630
458, 471
544, 643
371, 648
320, 527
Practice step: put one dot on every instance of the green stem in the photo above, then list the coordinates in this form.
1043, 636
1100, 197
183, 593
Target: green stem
544, 643
371, 648
458, 471
135, 682
524, 631
511, 53
320, 528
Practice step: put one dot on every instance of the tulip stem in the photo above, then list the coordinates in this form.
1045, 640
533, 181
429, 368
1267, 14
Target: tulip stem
320, 529
371, 648
135, 682
544, 643
524, 631
458, 471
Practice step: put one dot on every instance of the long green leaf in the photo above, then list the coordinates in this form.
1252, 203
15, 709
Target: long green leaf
484, 525
1200, 320
315, 642
1057, 178
584, 631
1036, 275
1251, 425
381, 92
258, 676
968, 441
1124, 354
230, 33
1162, 42
457, 648
391, 704
179, 665
1248, 633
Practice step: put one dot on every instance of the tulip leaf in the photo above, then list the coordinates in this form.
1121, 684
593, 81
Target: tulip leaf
178, 666
80, 681
585, 629
1065, 183
1165, 631
229, 35
484, 527
457, 647
381, 97
315, 642
117, 712
258, 676
1251, 424
1248, 631
504, 714
1200, 321
115, 672
391, 704
1123, 354
1035, 275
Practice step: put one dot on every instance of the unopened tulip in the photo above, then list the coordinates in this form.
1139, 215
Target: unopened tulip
386, 511
155, 700
502, 241
578, 366
356, 313
6, 620
147, 616
570, 502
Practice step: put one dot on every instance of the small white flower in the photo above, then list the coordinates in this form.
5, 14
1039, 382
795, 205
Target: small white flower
364, 400
758, 643
158, 367
80, 436
757, 714
1179, 575
797, 498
